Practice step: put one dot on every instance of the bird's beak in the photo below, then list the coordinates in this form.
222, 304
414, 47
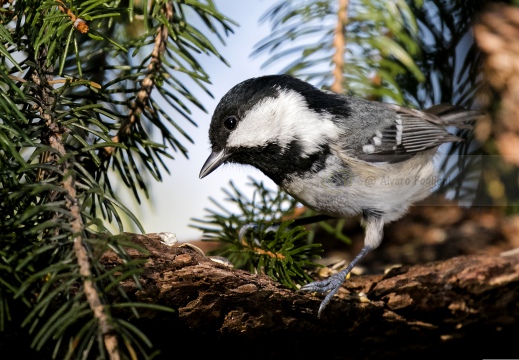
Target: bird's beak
214, 160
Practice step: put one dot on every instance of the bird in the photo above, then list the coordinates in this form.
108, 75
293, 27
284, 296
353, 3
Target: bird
336, 154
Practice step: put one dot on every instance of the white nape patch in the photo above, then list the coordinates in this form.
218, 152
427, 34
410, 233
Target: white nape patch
282, 120
368, 149
377, 141
399, 129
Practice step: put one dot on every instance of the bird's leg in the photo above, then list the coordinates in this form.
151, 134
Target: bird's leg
374, 232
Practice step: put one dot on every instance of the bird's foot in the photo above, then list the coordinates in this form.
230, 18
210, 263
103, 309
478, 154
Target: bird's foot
331, 284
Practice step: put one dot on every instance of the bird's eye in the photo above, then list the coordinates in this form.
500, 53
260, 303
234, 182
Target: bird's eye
230, 122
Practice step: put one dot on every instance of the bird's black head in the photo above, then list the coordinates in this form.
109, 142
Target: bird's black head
235, 104
271, 122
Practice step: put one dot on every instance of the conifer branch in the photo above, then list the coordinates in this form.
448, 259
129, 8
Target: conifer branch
41, 78
147, 84
339, 42
63, 97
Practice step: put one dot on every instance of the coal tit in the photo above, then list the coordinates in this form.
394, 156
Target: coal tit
338, 155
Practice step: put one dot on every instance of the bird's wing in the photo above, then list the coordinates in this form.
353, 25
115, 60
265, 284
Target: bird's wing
410, 132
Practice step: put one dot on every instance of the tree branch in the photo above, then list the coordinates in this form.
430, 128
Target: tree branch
467, 299
147, 84
41, 78
339, 42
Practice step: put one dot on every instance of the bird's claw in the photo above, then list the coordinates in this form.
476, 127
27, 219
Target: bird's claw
331, 284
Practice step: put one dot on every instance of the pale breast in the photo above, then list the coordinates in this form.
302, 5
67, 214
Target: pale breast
347, 186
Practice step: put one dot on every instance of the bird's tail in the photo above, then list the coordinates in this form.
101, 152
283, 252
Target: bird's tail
452, 115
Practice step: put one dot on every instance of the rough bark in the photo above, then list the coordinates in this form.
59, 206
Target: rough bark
466, 302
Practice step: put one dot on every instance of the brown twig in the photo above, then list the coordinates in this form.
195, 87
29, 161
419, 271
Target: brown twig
339, 42
79, 24
147, 84
268, 253
41, 78
73, 80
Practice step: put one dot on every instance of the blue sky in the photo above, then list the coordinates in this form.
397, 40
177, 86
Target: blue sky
182, 195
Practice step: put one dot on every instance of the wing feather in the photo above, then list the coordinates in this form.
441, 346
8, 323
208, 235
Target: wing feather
413, 131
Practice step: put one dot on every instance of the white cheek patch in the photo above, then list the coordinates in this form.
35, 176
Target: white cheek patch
282, 120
